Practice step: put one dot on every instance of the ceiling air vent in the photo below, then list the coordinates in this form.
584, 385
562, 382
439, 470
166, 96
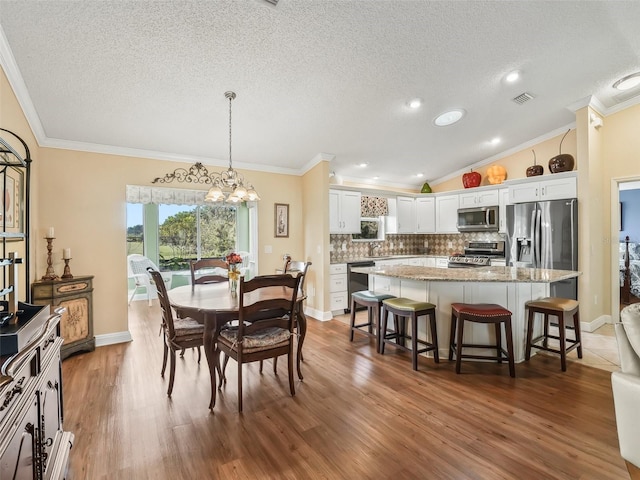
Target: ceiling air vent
522, 98
272, 2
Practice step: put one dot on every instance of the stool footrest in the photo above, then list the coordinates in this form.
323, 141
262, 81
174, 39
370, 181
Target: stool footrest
360, 325
504, 356
573, 346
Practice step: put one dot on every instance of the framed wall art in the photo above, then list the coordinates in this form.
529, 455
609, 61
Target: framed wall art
281, 220
12, 212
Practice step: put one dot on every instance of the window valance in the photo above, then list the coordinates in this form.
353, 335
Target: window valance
373, 206
164, 195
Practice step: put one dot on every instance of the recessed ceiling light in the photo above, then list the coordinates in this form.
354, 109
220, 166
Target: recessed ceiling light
376, 178
628, 82
448, 118
419, 175
495, 141
415, 103
512, 77
363, 164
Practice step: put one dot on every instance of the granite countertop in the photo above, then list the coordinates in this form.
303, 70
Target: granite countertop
478, 274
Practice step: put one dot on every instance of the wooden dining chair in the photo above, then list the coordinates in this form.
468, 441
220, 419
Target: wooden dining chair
208, 270
299, 268
178, 333
265, 327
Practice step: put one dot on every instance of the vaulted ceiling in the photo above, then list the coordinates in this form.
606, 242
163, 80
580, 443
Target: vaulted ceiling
312, 77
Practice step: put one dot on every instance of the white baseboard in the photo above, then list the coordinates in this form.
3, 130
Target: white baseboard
113, 338
318, 314
593, 325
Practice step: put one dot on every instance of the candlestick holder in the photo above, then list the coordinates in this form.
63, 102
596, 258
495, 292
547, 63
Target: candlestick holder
50, 274
67, 270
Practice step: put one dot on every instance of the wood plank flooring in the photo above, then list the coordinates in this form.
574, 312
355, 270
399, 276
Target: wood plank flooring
356, 415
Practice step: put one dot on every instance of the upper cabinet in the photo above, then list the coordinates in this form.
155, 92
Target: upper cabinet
482, 198
447, 213
425, 215
406, 211
344, 211
560, 187
503, 201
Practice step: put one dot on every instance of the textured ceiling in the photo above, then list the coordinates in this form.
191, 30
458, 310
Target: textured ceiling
315, 76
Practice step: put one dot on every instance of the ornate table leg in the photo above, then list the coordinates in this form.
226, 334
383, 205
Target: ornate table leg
211, 352
302, 331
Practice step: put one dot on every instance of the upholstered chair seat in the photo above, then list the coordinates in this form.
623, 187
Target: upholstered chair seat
626, 387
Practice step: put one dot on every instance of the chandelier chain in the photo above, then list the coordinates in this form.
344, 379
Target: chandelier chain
230, 161
228, 185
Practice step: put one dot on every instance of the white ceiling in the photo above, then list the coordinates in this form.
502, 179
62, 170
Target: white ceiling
314, 76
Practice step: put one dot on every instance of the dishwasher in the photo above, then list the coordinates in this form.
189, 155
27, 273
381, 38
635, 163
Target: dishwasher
357, 281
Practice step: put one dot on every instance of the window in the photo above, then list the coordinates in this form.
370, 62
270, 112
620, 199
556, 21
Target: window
190, 232
135, 229
172, 226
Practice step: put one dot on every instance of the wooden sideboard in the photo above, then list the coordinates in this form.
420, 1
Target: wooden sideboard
75, 295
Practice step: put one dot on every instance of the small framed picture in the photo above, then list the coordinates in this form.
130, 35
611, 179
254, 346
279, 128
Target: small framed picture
11, 215
281, 220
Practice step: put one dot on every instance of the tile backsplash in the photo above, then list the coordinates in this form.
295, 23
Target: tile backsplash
343, 249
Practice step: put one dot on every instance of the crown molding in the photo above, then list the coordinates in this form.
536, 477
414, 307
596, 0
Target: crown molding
320, 157
11, 70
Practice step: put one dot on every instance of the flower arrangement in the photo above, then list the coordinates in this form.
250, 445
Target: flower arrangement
233, 259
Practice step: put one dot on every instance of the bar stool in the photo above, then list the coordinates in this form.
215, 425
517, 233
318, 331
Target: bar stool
558, 307
481, 313
402, 309
373, 302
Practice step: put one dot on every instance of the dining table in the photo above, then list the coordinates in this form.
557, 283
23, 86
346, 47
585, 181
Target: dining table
215, 305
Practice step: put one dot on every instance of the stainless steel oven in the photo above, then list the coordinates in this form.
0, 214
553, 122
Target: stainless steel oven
357, 281
477, 254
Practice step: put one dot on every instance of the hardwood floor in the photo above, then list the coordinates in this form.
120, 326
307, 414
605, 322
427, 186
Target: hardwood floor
356, 415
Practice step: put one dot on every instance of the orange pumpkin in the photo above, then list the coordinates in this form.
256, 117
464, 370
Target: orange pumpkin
496, 174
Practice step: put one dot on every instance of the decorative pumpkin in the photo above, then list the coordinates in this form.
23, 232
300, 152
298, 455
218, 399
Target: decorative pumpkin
496, 174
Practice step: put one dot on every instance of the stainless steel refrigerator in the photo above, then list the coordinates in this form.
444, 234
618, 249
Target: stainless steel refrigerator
545, 235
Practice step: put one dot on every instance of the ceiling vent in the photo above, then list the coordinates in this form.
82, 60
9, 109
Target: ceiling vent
272, 2
523, 98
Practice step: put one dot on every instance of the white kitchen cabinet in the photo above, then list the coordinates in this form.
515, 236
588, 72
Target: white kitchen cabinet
480, 198
344, 211
447, 214
406, 212
503, 201
564, 186
391, 219
426, 215
416, 261
338, 287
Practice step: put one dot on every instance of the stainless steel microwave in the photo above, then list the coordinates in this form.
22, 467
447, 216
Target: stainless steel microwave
478, 219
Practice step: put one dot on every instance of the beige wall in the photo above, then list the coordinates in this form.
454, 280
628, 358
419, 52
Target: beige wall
621, 161
315, 201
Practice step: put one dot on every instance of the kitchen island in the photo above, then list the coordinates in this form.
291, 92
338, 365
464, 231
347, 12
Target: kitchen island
510, 287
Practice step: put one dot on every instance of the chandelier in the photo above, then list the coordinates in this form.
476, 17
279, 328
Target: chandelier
230, 185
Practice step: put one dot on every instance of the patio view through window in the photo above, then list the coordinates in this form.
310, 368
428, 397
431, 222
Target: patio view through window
183, 232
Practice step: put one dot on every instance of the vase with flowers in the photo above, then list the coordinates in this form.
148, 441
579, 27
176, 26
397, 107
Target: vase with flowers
234, 260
